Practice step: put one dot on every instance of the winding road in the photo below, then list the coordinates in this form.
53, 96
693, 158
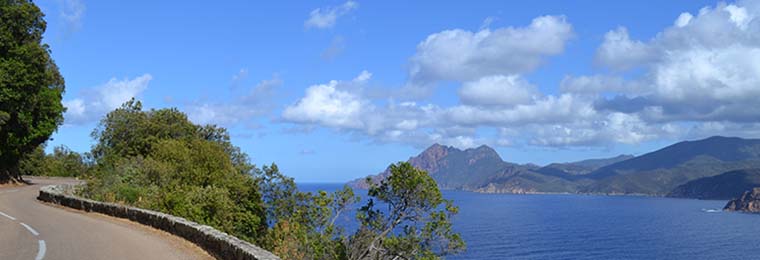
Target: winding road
30, 229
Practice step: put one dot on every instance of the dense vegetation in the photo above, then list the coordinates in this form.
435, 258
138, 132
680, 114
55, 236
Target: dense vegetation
729, 185
31, 87
63, 162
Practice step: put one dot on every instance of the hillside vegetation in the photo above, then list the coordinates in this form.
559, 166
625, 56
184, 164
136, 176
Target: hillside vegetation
729, 185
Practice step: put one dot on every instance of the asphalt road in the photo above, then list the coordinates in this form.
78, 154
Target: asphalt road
30, 229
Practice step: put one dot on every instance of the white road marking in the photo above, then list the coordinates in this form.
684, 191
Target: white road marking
41, 250
7, 216
34, 232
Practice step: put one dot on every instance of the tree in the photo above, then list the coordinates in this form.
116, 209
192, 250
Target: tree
31, 87
159, 160
406, 218
303, 225
64, 162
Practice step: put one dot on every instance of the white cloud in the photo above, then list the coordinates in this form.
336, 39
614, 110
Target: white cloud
463, 55
598, 84
363, 77
329, 105
707, 67
619, 52
738, 15
326, 17
95, 102
550, 109
498, 90
612, 128
683, 19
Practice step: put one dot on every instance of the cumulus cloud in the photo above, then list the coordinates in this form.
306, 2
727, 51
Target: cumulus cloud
620, 52
330, 104
95, 102
462, 55
549, 109
326, 17
705, 67
603, 131
498, 90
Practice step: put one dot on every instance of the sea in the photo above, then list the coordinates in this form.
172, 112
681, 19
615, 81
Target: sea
559, 226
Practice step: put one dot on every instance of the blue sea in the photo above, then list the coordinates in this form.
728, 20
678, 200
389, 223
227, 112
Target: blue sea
505, 226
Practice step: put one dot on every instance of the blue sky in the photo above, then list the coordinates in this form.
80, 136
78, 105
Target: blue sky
335, 90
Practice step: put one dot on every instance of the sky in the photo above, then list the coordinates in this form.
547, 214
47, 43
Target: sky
336, 90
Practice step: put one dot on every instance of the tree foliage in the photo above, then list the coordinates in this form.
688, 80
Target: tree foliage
303, 225
31, 87
406, 218
160, 160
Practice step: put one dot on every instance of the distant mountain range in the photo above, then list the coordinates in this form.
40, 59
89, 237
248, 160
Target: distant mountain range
693, 169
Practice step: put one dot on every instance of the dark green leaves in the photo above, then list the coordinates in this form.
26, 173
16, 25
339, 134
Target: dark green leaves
31, 87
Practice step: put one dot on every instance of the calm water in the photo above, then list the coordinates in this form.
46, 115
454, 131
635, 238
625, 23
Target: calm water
500, 226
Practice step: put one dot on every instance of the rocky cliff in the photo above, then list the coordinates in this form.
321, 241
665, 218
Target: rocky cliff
748, 202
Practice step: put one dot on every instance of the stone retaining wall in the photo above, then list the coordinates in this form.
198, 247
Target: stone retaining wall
219, 244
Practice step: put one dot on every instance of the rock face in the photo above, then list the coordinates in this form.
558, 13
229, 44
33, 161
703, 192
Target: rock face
748, 202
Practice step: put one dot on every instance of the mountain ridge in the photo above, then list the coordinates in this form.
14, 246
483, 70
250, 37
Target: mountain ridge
657, 173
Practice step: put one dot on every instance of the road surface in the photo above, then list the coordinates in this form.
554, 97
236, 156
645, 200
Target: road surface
30, 229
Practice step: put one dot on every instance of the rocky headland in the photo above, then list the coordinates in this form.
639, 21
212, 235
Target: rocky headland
748, 202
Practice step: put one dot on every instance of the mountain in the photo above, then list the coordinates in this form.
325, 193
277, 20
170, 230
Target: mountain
581, 167
729, 185
453, 168
659, 172
481, 169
